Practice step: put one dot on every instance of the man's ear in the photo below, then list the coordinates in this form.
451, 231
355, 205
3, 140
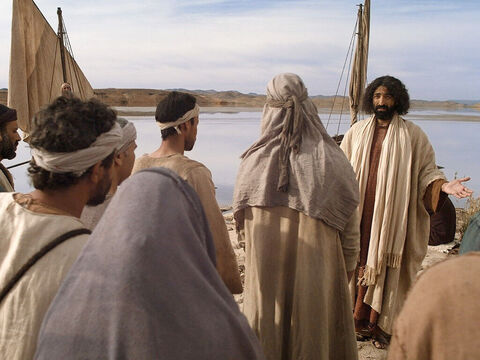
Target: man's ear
118, 159
97, 173
183, 127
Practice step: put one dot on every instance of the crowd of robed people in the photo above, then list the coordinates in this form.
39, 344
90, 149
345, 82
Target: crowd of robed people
335, 237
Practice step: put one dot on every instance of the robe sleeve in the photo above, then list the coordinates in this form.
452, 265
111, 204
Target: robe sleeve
350, 240
200, 179
434, 196
430, 178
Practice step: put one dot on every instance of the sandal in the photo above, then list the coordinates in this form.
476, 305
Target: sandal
363, 335
380, 341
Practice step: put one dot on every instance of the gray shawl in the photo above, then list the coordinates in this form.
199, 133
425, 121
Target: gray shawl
145, 286
295, 163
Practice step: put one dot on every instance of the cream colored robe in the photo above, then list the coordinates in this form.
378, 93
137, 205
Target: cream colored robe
388, 294
5, 185
441, 316
24, 232
200, 179
296, 289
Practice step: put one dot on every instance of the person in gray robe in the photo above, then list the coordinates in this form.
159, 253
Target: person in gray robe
145, 286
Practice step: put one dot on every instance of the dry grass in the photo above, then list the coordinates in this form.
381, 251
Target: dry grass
464, 216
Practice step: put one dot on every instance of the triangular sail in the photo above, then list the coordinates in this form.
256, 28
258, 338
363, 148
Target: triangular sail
358, 76
35, 64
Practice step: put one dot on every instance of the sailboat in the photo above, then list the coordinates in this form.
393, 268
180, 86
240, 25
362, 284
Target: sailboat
41, 60
358, 74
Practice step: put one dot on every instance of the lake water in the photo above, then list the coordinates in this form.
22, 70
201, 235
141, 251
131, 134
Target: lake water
222, 138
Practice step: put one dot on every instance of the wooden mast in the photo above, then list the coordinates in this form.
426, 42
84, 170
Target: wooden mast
62, 47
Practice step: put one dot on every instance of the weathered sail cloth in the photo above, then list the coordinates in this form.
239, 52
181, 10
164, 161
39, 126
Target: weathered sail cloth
35, 65
391, 284
391, 195
441, 316
25, 230
200, 179
145, 286
6, 179
321, 182
358, 75
296, 293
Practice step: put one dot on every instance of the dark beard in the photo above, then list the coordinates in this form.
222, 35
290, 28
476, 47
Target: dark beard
100, 192
384, 115
7, 147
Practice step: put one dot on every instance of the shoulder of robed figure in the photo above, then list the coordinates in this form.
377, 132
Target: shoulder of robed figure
352, 133
417, 135
196, 168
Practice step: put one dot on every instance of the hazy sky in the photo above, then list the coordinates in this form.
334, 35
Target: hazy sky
432, 46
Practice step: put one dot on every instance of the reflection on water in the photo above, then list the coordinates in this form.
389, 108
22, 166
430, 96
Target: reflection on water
222, 138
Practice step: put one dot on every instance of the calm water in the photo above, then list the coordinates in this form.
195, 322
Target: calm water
222, 138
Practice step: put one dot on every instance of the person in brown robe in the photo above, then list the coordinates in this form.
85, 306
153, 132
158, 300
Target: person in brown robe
399, 185
294, 197
443, 224
441, 316
9, 140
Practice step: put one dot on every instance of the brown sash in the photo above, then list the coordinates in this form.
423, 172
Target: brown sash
43, 251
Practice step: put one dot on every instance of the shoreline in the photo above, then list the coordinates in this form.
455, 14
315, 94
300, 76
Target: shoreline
474, 117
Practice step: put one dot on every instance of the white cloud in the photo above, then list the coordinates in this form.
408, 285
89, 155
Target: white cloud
240, 45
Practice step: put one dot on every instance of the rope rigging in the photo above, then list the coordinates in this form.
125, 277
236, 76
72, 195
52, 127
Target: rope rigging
348, 55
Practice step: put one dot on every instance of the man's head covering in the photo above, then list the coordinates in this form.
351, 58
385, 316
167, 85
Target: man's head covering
295, 163
79, 161
7, 114
129, 134
146, 287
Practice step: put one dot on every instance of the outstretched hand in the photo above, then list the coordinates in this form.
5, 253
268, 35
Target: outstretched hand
457, 189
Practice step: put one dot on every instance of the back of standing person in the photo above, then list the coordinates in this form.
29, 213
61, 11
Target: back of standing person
177, 116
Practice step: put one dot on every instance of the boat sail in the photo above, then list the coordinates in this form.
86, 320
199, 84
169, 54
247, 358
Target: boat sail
358, 77
40, 61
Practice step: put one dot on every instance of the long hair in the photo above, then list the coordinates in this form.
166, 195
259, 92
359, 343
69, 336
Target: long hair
396, 89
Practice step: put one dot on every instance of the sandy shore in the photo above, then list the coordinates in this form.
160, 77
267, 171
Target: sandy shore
366, 350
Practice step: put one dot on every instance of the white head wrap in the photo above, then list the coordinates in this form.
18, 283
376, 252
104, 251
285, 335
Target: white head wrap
79, 161
187, 116
129, 136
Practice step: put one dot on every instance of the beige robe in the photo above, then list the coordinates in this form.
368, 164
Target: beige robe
296, 289
388, 294
24, 232
200, 179
5, 184
441, 316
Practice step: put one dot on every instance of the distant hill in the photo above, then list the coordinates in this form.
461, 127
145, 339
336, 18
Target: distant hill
233, 98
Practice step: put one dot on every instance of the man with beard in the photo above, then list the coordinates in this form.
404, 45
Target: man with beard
73, 144
177, 117
399, 185
66, 90
122, 168
9, 139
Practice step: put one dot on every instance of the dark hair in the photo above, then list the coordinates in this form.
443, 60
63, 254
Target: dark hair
396, 89
67, 125
172, 107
